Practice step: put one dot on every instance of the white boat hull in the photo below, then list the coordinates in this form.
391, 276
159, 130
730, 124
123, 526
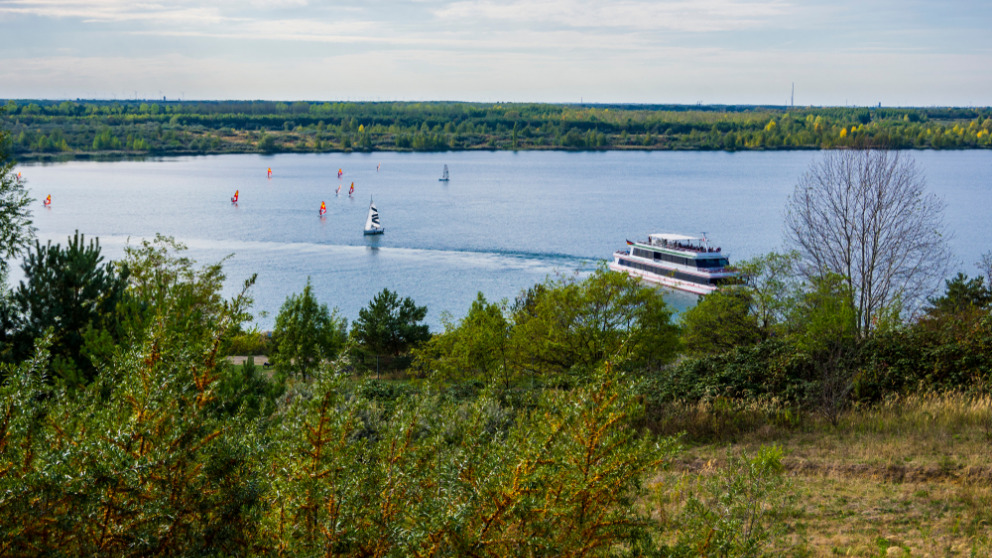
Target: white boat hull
664, 280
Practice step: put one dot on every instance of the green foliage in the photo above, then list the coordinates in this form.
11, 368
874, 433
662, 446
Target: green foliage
477, 347
387, 329
827, 325
106, 141
42, 128
944, 351
70, 292
252, 342
15, 216
559, 331
748, 313
725, 516
306, 334
267, 144
961, 294
135, 464
569, 327
770, 369
719, 322
245, 392
812, 359
774, 285
825, 317
166, 286
469, 479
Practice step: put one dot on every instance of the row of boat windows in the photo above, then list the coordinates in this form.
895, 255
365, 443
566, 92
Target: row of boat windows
691, 262
670, 273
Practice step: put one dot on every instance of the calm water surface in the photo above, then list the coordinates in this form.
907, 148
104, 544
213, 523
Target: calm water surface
504, 221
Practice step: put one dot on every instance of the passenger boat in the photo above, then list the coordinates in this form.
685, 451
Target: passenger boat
686, 263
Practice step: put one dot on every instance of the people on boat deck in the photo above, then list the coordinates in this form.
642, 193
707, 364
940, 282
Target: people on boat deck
687, 246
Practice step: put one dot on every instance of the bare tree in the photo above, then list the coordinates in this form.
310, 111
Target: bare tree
985, 267
866, 215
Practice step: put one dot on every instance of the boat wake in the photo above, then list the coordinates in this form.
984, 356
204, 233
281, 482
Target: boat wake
352, 255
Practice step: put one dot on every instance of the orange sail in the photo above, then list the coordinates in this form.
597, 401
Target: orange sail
323, 209
48, 200
234, 199
340, 172
270, 172
352, 189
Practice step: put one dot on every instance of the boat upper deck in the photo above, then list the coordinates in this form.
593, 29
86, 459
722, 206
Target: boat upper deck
692, 246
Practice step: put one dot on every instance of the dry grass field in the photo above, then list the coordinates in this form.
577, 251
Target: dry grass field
909, 477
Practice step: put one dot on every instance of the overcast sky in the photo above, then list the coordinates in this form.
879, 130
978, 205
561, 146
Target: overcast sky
837, 52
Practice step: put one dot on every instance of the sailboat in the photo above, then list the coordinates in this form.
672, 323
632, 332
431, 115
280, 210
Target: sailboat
444, 174
234, 198
372, 225
323, 209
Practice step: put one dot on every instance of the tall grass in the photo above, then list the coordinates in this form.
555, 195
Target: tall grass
920, 415
926, 413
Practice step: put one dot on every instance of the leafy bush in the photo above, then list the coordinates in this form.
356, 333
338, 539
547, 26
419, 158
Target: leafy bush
770, 369
248, 343
724, 515
461, 479
72, 293
140, 462
942, 352
306, 334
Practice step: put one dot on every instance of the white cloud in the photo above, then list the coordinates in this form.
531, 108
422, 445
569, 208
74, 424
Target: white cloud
734, 51
680, 15
115, 11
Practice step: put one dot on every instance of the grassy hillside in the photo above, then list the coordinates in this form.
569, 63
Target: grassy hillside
908, 477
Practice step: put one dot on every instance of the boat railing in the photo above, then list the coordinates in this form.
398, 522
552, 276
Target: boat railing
683, 246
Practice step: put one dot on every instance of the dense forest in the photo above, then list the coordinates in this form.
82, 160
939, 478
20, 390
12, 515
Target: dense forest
53, 129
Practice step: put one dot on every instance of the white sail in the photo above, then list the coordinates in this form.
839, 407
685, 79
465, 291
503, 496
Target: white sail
444, 174
372, 225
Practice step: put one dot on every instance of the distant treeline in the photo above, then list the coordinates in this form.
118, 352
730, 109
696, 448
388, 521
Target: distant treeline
43, 129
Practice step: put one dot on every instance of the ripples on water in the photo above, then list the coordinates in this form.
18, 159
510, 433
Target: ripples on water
504, 222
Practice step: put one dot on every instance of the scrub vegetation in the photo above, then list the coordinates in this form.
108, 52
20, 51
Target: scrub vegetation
579, 419
66, 129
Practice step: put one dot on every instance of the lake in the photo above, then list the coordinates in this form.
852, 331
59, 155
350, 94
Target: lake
504, 221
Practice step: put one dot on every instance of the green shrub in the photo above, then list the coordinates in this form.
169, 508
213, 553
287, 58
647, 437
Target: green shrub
773, 368
949, 351
724, 514
248, 343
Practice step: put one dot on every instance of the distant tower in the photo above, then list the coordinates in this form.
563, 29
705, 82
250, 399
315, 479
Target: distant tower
792, 98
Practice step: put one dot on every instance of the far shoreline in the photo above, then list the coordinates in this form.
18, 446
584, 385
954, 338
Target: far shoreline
112, 157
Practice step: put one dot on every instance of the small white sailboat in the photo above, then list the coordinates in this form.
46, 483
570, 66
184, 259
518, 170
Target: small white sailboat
444, 174
372, 225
